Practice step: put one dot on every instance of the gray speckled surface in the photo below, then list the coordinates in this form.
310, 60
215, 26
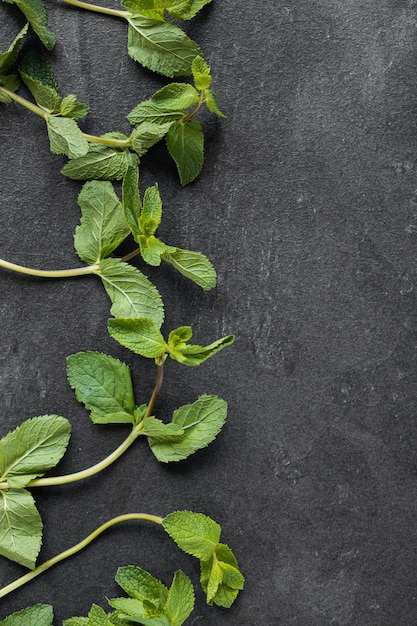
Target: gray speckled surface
307, 206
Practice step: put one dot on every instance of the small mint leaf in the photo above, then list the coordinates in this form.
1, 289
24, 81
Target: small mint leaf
9, 57
193, 355
185, 142
36, 14
180, 602
201, 73
36, 615
186, 9
66, 138
20, 527
194, 533
212, 104
100, 163
131, 201
70, 107
140, 585
194, 265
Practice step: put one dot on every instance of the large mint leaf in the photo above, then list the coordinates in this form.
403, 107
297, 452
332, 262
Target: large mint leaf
65, 137
20, 527
100, 163
33, 448
194, 533
185, 142
176, 97
36, 615
139, 335
160, 46
194, 265
200, 422
36, 14
103, 384
38, 77
103, 226
8, 58
149, 112
131, 293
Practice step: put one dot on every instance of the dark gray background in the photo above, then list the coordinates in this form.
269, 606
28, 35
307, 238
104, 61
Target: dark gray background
307, 206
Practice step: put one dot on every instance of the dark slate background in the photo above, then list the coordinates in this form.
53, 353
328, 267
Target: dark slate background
307, 206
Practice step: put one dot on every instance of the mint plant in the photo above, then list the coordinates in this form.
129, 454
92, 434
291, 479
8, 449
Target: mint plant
102, 383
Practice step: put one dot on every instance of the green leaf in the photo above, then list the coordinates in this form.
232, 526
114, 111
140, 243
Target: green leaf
9, 57
201, 73
212, 104
147, 134
193, 355
141, 336
132, 204
180, 602
155, 428
20, 527
148, 112
160, 46
70, 107
151, 249
147, 8
194, 533
140, 585
36, 14
36, 615
104, 385
100, 163
185, 142
98, 617
186, 9
194, 265
221, 578
103, 226
10, 82
75, 621
176, 97
201, 422
65, 137
33, 448
131, 293
128, 607
151, 213
38, 77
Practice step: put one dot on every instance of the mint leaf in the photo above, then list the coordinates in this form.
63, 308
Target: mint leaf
9, 57
65, 137
140, 585
33, 448
193, 355
185, 142
36, 615
155, 428
103, 384
147, 134
131, 293
38, 77
141, 336
75, 621
180, 602
194, 265
36, 14
194, 533
151, 249
176, 97
98, 617
148, 112
103, 226
10, 82
160, 46
201, 73
212, 103
221, 578
100, 163
132, 204
186, 9
151, 213
20, 527
70, 107
200, 422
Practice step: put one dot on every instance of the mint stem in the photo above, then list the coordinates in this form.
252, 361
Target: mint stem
97, 9
108, 460
25, 103
77, 271
79, 546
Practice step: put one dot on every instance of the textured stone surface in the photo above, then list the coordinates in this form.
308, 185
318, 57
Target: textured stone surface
307, 206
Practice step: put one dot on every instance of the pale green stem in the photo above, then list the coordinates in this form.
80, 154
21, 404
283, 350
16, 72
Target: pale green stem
28, 105
111, 458
79, 546
196, 109
108, 141
97, 9
77, 271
